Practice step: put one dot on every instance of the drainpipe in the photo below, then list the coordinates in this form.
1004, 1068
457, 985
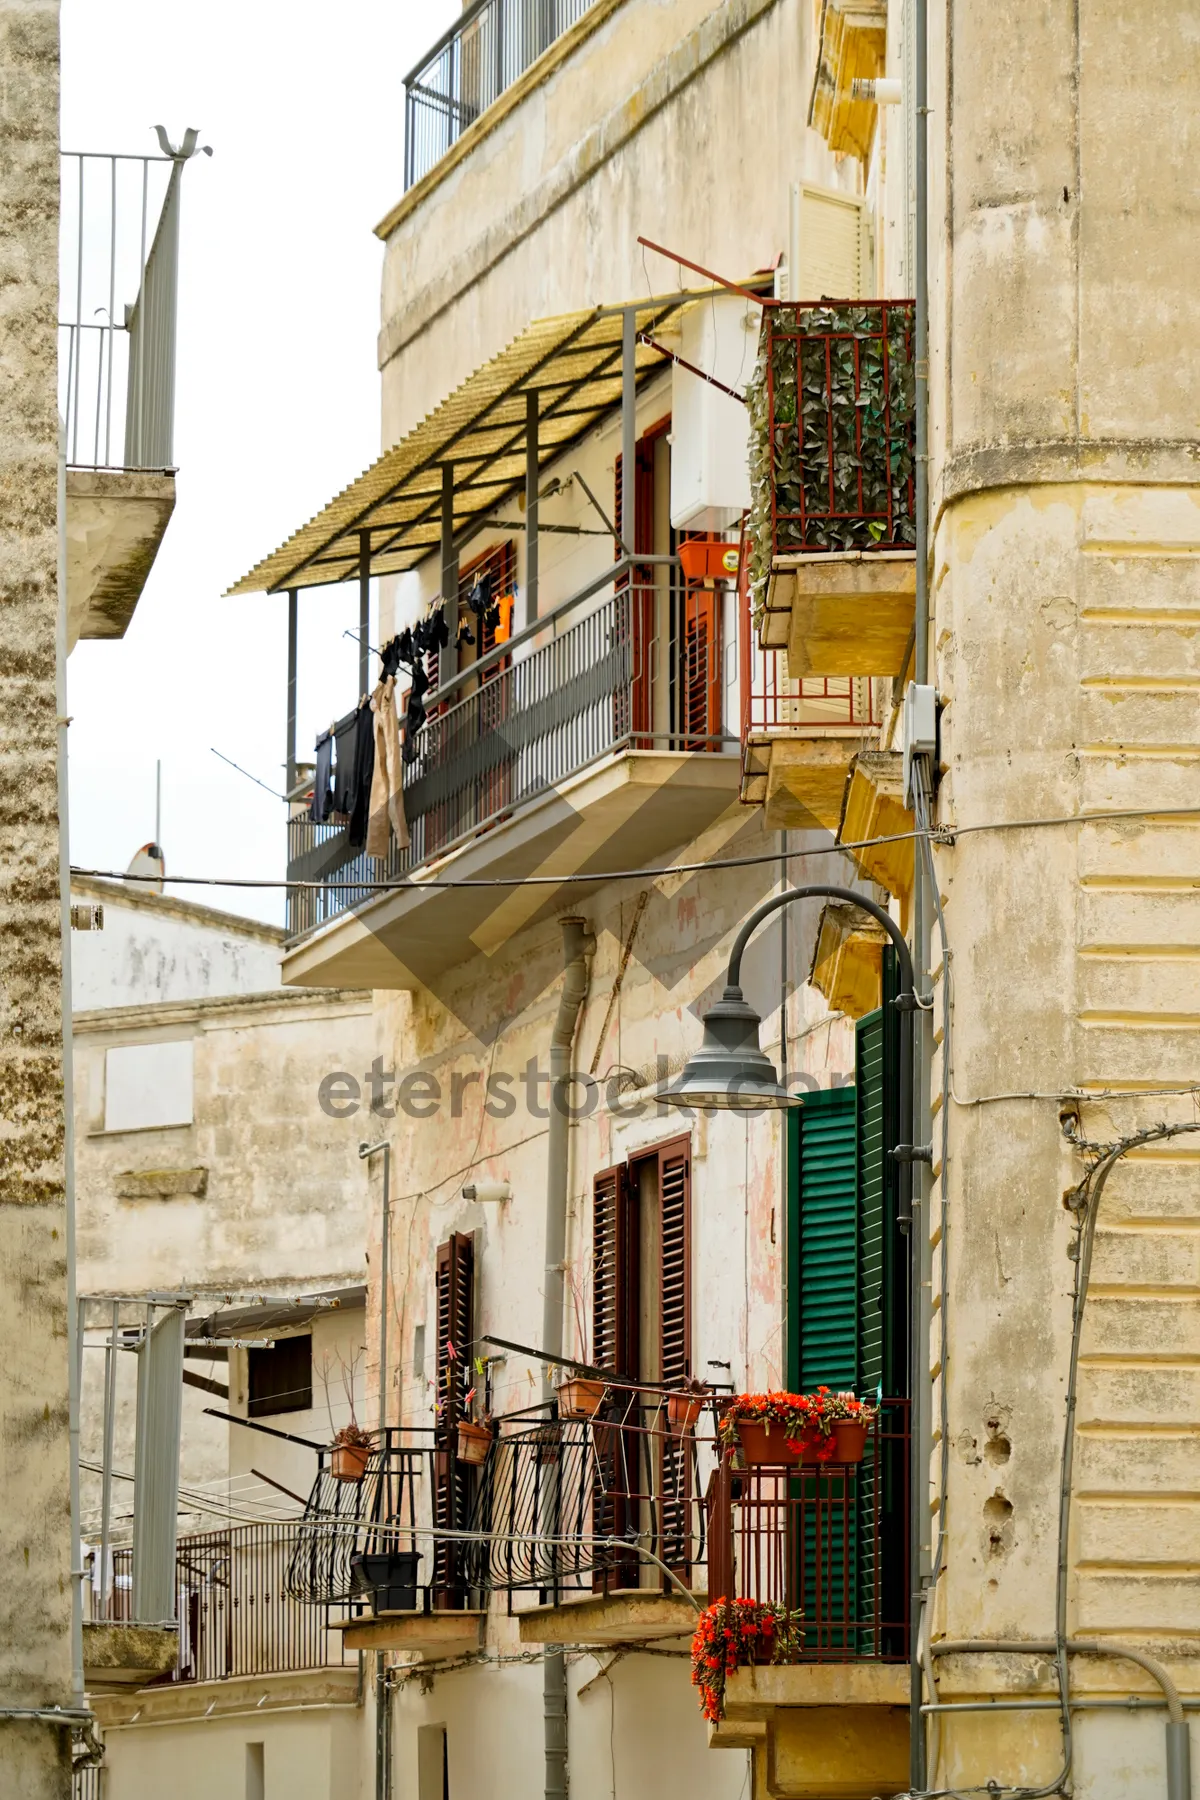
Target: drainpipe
578, 944
920, 1252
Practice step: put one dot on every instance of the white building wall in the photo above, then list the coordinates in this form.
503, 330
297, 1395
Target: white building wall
155, 950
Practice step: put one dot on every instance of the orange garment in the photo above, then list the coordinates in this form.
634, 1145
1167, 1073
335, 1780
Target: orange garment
387, 782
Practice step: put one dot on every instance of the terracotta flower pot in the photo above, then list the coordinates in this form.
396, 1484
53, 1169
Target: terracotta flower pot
849, 1440
474, 1441
760, 1446
683, 1410
580, 1398
348, 1462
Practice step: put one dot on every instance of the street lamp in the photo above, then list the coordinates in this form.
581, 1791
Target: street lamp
731, 1072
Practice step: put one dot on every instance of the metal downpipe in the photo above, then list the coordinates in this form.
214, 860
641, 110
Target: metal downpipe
578, 945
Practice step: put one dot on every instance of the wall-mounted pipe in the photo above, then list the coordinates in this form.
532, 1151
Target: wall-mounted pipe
578, 945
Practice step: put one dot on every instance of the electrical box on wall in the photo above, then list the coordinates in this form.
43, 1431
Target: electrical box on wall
710, 431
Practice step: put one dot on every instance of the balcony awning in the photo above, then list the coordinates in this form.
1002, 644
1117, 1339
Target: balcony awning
271, 1315
572, 362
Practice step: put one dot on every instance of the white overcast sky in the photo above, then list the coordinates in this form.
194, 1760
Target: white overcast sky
277, 401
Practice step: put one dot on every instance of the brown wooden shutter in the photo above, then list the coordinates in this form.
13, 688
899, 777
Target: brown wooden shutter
675, 1341
614, 1289
701, 667
675, 1284
455, 1280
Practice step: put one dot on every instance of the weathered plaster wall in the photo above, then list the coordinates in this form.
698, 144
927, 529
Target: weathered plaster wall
642, 131
155, 949
262, 1193
1067, 581
35, 1654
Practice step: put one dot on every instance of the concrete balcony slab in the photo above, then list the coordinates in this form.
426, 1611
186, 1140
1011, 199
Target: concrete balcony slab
122, 1656
841, 612
432, 1635
180, 1702
847, 964
630, 810
820, 1731
627, 1615
116, 519
806, 779
874, 808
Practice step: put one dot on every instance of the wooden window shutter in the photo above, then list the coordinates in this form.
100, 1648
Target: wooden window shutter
883, 1256
455, 1285
701, 667
831, 245
675, 1283
614, 1291
823, 1242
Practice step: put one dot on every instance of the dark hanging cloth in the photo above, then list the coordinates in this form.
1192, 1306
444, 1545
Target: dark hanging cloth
414, 718
364, 770
389, 658
322, 794
345, 734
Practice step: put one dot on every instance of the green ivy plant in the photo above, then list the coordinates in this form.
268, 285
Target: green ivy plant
831, 434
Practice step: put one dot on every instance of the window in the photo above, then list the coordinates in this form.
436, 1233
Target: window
433, 1763
280, 1378
147, 1086
256, 1784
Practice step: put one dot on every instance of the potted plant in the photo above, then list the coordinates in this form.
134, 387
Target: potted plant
580, 1397
350, 1450
685, 1405
474, 1440
733, 1633
851, 1420
777, 1428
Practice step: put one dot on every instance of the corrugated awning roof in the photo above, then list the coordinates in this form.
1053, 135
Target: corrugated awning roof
572, 362
254, 1321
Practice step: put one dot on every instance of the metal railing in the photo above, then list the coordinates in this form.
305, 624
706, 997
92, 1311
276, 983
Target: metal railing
236, 1615
391, 1508
835, 437
469, 67
118, 285
554, 1495
513, 727
829, 1541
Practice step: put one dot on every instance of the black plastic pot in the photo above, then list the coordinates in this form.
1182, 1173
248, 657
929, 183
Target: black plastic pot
389, 1576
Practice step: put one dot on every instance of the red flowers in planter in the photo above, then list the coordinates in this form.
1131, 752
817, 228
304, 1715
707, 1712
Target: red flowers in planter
732, 1633
803, 1426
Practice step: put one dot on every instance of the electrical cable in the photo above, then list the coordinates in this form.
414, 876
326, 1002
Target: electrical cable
946, 835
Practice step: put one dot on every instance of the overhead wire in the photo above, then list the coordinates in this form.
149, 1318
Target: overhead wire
946, 835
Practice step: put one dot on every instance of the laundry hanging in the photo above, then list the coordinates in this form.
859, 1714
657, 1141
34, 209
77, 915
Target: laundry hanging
322, 794
387, 786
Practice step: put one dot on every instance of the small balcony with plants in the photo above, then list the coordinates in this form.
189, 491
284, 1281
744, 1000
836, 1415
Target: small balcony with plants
831, 528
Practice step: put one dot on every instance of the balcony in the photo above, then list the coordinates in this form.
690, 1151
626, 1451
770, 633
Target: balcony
119, 271
830, 1543
799, 735
541, 757
832, 522
483, 53
576, 1518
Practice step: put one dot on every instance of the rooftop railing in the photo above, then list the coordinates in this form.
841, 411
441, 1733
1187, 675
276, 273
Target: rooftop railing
469, 67
118, 286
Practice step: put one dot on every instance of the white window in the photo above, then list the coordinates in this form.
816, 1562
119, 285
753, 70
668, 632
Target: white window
147, 1085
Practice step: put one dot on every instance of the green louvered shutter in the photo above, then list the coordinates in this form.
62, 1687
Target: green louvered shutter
823, 1233
882, 1310
823, 1338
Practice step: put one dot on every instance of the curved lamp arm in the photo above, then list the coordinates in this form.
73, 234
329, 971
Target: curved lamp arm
816, 891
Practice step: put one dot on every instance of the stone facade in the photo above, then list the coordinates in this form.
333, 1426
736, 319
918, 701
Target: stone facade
35, 1599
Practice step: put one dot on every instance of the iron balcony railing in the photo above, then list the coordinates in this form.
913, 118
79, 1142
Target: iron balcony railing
830, 1542
236, 1614
469, 67
832, 413
502, 733
118, 288
567, 1506
390, 1509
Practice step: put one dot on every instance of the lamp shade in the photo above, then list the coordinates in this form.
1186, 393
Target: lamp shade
729, 1071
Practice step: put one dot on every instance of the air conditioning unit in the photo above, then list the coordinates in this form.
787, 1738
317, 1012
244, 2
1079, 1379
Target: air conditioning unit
710, 474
